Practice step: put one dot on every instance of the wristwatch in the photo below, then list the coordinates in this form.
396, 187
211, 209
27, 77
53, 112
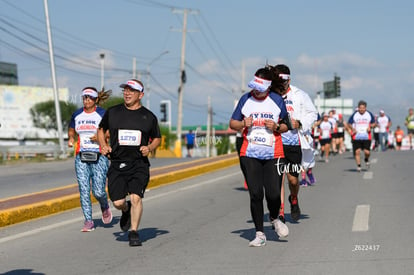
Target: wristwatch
277, 127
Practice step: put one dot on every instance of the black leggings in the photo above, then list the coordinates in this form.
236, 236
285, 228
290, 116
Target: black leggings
263, 174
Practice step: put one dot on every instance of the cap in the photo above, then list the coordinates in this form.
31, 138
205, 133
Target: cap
90, 92
133, 84
382, 112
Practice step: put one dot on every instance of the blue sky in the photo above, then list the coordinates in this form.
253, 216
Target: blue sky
367, 43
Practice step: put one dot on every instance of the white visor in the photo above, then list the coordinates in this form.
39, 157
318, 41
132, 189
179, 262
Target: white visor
90, 92
259, 84
284, 76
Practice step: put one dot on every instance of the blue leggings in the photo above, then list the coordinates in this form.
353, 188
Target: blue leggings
95, 172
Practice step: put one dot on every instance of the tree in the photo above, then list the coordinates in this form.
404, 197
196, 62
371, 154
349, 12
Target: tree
112, 101
44, 114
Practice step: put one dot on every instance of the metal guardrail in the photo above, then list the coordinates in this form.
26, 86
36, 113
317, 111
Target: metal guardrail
25, 151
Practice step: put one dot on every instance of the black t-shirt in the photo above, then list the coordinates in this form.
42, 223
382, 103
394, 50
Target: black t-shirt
129, 130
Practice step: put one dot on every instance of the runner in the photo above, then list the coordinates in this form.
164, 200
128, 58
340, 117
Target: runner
384, 124
399, 136
325, 132
341, 134
131, 127
90, 165
359, 126
262, 116
333, 118
409, 122
303, 115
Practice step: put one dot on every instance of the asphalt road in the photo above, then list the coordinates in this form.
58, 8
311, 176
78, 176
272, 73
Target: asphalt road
351, 223
23, 178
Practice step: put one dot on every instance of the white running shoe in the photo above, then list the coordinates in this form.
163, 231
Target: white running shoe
281, 228
260, 240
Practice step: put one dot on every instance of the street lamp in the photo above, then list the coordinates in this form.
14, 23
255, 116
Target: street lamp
102, 56
148, 76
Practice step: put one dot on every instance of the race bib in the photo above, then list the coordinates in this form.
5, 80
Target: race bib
129, 137
361, 134
87, 143
261, 137
340, 129
325, 134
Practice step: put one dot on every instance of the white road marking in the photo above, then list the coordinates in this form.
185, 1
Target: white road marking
361, 218
368, 175
374, 160
60, 224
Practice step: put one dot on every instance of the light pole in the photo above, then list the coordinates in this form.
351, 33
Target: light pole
102, 56
149, 74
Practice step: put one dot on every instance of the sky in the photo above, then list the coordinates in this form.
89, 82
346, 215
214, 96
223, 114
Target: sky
368, 44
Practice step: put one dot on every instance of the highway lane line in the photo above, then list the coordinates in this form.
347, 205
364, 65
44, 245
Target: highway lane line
368, 175
97, 215
361, 218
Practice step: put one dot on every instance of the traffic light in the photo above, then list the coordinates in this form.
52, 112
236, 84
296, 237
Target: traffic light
337, 86
163, 109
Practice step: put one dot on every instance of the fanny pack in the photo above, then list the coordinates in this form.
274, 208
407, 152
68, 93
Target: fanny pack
89, 156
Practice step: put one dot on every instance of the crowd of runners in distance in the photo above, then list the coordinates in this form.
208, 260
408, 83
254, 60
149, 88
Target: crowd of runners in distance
329, 133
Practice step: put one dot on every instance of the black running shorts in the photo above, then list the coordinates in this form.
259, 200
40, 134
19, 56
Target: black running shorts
293, 159
127, 177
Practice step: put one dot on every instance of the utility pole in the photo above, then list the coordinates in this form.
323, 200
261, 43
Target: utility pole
134, 67
55, 90
208, 133
102, 56
183, 79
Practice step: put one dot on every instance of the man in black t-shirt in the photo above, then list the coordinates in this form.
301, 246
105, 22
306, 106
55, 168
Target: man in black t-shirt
131, 126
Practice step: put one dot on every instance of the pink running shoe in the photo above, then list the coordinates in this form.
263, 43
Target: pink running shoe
88, 226
107, 216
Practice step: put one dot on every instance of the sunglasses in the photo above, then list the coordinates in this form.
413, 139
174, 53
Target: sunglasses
88, 96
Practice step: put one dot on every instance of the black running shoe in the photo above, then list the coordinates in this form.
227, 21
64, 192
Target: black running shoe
294, 209
125, 221
133, 238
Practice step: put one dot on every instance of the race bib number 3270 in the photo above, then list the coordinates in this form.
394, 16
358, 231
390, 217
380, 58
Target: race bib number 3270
129, 137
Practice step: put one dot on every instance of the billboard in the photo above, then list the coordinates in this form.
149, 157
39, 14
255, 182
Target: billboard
15, 103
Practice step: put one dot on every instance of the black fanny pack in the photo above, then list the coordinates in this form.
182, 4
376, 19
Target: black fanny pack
89, 156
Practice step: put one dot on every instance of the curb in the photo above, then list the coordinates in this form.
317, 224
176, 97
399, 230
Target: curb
52, 206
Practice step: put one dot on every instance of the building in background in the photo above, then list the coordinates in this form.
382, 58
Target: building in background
8, 74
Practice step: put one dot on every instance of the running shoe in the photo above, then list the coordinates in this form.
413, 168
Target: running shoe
260, 240
88, 226
294, 208
133, 238
326, 160
125, 221
311, 179
280, 227
359, 168
303, 182
368, 164
107, 215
